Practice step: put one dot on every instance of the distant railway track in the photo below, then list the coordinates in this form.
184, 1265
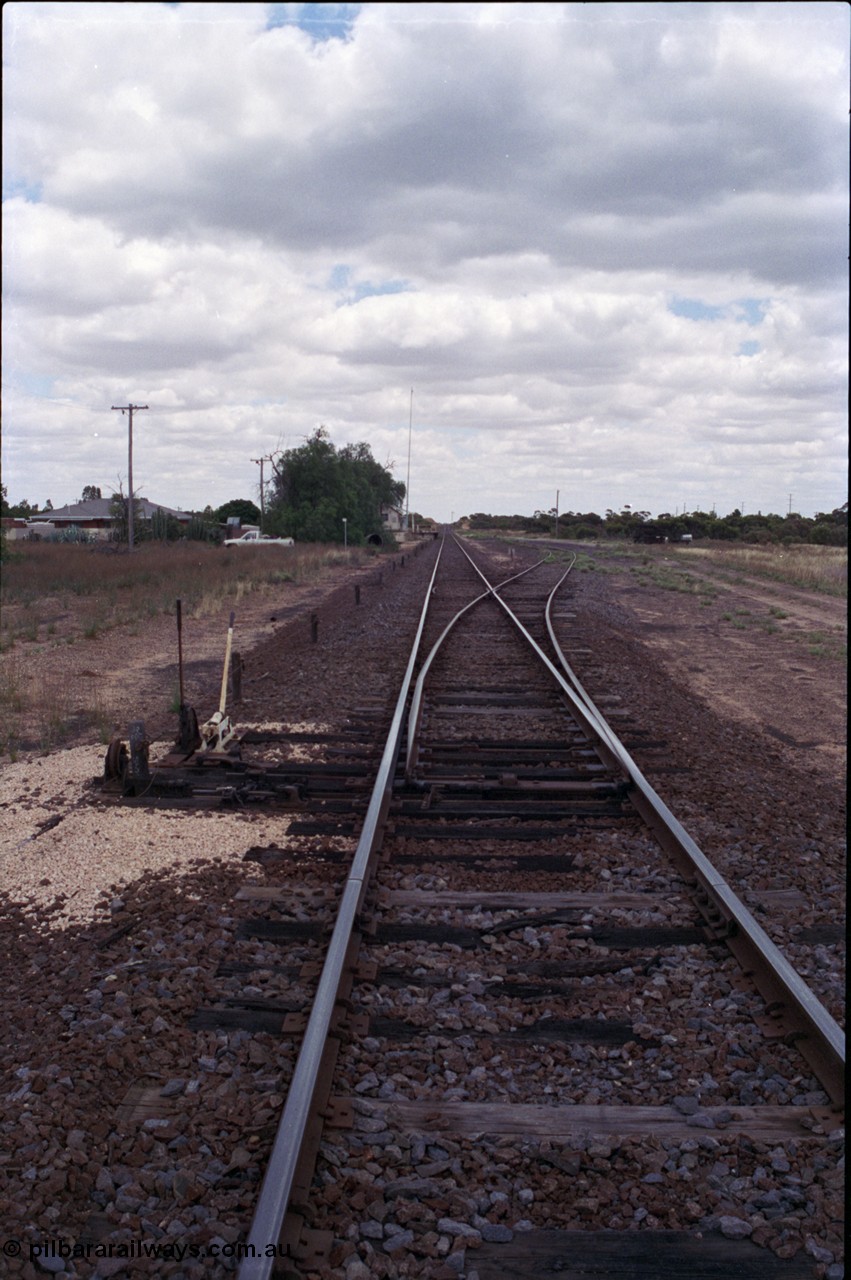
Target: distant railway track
538, 1003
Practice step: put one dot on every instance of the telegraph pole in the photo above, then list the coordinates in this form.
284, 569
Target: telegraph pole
262, 490
408, 485
557, 497
130, 409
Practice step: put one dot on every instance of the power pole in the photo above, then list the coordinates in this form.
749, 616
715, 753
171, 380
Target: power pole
267, 458
129, 409
557, 496
408, 485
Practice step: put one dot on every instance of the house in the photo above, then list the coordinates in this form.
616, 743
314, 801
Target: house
14, 527
392, 518
96, 517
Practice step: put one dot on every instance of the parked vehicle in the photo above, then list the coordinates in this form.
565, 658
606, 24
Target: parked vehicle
254, 538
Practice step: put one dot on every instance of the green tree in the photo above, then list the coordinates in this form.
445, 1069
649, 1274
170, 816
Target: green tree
90, 493
248, 511
119, 510
316, 487
23, 510
831, 529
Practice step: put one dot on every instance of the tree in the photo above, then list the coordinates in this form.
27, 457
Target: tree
91, 492
119, 510
248, 511
23, 510
316, 487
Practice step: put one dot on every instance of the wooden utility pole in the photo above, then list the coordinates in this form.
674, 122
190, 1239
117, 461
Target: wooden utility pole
268, 458
408, 485
130, 409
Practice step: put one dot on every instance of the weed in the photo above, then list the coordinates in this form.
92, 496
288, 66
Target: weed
99, 718
823, 644
11, 690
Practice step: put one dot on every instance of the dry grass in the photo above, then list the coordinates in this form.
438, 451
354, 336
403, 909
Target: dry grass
90, 589
56, 595
814, 568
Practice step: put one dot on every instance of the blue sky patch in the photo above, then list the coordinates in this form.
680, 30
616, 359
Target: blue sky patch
751, 310
320, 21
749, 349
340, 275
370, 290
340, 280
31, 192
34, 384
694, 309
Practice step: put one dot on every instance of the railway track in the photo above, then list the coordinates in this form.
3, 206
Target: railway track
534, 1031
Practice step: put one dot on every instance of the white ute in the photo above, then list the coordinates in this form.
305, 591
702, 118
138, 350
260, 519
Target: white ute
253, 538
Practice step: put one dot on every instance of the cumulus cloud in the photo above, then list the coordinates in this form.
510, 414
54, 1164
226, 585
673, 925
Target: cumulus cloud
605, 243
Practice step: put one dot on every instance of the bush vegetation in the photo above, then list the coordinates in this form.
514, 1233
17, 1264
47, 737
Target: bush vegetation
824, 529
324, 494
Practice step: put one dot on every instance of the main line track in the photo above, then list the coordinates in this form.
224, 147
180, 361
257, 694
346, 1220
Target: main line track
543, 1023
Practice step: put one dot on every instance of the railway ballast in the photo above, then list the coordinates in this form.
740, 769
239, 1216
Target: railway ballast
469, 1001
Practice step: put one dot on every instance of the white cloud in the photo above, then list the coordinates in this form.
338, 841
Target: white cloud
600, 241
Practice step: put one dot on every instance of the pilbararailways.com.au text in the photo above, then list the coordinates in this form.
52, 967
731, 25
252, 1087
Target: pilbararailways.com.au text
162, 1250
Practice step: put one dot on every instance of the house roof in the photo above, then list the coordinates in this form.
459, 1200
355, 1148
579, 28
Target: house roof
101, 509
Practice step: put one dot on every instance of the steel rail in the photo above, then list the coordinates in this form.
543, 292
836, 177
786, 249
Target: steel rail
800, 1016
276, 1190
415, 714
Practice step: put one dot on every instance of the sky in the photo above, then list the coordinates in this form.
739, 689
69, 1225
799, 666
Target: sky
585, 254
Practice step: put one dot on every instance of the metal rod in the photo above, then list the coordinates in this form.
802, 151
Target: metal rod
180, 651
223, 696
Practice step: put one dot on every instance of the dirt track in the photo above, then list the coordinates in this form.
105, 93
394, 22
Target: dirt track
782, 676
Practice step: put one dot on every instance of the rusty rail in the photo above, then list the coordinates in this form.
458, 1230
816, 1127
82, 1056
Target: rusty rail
286, 1155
